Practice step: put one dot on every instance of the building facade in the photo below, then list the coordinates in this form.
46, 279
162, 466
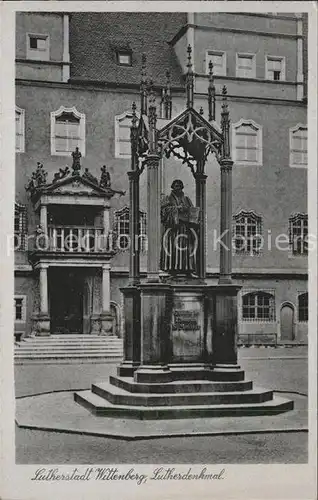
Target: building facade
77, 76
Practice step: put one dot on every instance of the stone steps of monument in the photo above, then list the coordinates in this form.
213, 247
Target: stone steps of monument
179, 386
75, 348
101, 407
118, 396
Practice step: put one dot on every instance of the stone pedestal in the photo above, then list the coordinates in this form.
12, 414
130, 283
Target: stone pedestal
225, 325
155, 330
42, 325
106, 324
132, 338
95, 324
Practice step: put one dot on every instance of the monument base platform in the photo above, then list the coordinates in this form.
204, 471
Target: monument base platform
217, 393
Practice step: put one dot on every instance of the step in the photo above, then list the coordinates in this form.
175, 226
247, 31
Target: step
83, 360
67, 348
178, 386
43, 340
118, 396
100, 407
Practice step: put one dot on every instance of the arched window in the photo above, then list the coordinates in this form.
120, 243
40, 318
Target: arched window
303, 307
247, 143
20, 226
247, 232
19, 130
67, 131
298, 234
122, 230
258, 306
298, 146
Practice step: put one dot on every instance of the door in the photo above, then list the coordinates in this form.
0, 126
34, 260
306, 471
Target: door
287, 322
66, 301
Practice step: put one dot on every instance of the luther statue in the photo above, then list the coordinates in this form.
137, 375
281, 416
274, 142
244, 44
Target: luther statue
180, 232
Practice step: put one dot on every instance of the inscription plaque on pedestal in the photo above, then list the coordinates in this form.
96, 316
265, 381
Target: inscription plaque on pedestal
187, 328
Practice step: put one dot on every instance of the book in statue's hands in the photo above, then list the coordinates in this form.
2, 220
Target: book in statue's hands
191, 215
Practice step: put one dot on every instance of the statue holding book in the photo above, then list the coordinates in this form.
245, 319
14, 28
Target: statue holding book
180, 221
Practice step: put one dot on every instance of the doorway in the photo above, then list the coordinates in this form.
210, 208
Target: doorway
287, 314
66, 289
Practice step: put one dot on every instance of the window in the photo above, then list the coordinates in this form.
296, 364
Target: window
122, 135
258, 306
298, 234
245, 66
275, 68
298, 146
247, 143
219, 62
67, 131
122, 230
38, 47
124, 57
303, 307
19, 130
247, 233
20, 308
20, 228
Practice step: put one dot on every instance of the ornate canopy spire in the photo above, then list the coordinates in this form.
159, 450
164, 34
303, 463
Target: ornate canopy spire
143, 86
134, 137
166, 98
211, 93
189, 79
225, 124
152, 115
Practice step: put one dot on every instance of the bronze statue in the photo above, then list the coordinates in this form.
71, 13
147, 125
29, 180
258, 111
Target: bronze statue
180, 240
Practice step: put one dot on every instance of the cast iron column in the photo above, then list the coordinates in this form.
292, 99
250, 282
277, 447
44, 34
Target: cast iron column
131, 293
153, 208
226, 222
200, 184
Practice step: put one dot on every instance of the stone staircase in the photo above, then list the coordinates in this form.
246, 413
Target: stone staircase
68, 348
200, 392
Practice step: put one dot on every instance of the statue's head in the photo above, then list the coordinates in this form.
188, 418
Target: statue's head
177, 185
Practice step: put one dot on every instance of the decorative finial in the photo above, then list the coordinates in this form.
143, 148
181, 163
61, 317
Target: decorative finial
211, 93
224, 99
143, 86
189, 79
143, 65
189, 65
151, 93
134, 116
201, 111
76, 165
211, 68
166, 98
225, 125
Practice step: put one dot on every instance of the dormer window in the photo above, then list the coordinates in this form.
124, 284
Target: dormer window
38, 47
124, 57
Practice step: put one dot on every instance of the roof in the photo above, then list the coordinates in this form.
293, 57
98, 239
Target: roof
95, 36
